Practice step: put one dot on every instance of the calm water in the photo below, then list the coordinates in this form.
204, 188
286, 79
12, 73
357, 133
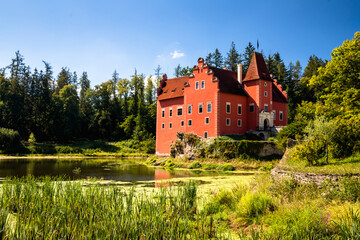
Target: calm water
119, 170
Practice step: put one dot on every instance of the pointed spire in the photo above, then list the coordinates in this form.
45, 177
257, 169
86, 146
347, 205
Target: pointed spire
257, 69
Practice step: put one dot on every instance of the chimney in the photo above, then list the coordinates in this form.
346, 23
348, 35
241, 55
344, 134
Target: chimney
239, 73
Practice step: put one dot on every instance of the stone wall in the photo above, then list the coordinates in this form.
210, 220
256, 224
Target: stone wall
309, 178
305, 177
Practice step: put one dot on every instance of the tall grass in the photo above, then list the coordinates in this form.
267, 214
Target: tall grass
46, 209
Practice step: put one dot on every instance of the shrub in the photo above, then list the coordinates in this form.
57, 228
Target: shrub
210, 166
149, 145
169, 164
151, 160
311, 151
191, 139
194, 165
10, 141
67, 149
179, 146
295, 129
226, 167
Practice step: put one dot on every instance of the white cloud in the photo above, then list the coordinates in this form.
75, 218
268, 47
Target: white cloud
177, 54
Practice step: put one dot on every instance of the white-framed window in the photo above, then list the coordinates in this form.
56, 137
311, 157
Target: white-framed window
189, 122
266, 108
228, 122
209, 107
170, 112
252, 108
201, 107
196, 85
265, 84
189, 109
239, 109
274, 115
163, 113
205, 134
239, 123
280, 115
228, 107
163, 125
207, 120
202, 84
170, 125
182, 123
179, 111
265, 93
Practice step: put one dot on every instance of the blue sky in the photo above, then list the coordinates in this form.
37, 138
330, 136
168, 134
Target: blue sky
101, 36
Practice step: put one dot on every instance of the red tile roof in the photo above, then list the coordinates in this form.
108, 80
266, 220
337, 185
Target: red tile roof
257, 69
277, 95
174, 88
228, 82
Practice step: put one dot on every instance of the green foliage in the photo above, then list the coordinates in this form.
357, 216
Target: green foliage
233, 58
9, 141
349, 225
346, 139
254, 204
293, 131
191, 139
234, 149
226, 167
195, 165
337, 84
93, 212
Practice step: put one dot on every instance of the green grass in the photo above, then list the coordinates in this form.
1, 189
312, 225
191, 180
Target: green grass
85, 147
266, 209
340, 166
46, 209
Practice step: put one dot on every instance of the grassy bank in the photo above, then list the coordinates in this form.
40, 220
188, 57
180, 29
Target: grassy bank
265, 209
218, 164
340, 166
85, 147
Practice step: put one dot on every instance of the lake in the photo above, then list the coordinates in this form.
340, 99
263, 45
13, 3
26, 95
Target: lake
127, 170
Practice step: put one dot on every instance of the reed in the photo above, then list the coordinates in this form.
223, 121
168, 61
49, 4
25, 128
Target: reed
49, 208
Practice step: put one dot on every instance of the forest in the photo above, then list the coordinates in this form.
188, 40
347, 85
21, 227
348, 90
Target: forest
39, 105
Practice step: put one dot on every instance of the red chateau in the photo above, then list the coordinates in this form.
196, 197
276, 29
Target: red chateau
212, 102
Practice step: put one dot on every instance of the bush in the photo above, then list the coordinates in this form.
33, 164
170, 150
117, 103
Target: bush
311, 151
194, 165
210, 166
151, 160
149, 145
10, 141
226, 167
294, 130
67, 149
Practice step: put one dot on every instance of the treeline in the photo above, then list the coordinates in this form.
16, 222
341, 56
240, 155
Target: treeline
290, 76
38, 104
328, 119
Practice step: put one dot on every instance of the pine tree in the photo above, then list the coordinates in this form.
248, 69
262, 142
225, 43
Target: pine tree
210, 59
64, 78
177, 71
248, 53
218, 59
233, 58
